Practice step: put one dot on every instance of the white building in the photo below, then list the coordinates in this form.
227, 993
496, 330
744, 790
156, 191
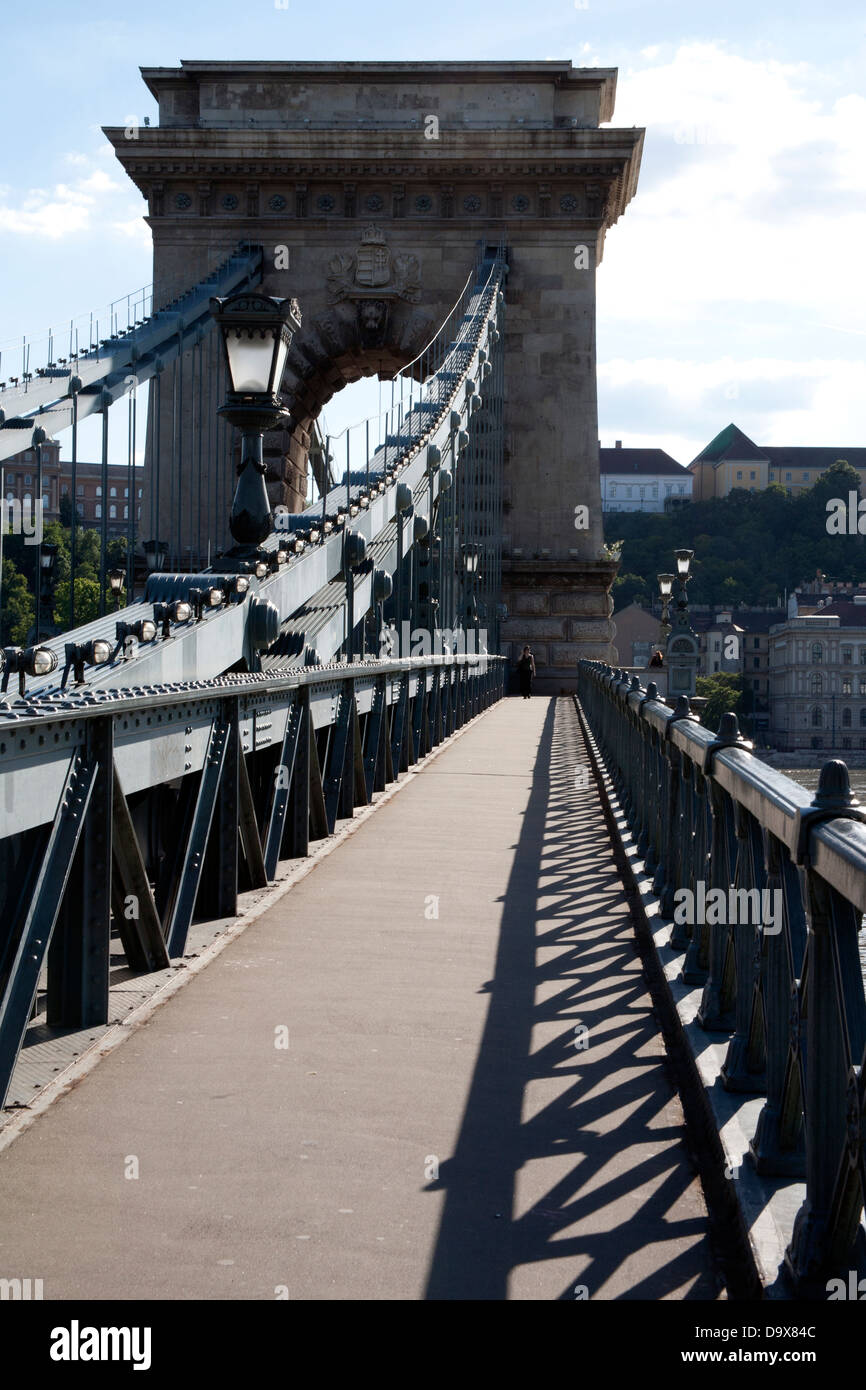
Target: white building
641, 480
818, 678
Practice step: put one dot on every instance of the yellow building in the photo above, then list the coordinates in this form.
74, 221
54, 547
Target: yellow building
733, 460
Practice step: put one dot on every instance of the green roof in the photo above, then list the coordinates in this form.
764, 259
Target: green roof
730, 443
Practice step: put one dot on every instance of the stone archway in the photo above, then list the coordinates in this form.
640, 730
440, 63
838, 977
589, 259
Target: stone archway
370, 326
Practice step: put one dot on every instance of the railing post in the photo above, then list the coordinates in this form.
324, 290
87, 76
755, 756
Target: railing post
78, 957
742, 1070
778, 1146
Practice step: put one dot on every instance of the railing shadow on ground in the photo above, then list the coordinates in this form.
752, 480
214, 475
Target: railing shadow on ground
566, 957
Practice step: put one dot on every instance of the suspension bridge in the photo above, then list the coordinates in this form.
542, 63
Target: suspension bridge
468, 1050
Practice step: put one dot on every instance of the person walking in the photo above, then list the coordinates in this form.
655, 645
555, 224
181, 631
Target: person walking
526, 670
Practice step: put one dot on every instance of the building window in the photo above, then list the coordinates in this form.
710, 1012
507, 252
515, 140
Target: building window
846, 685
787, 477
139, 492
805, 477
97, 510
612, 490
846, 717
816, 684
753, 475
99, 492
756, 641
846, 743
817, 743
817, 653
715, 666
126, 513
847, 655
112, 492
863, 656
740, 474
27, 480
817, 718
80, 490
863, 717
756, 662
126, 492
112, 512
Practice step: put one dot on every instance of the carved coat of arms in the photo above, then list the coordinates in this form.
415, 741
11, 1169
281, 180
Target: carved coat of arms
373, 270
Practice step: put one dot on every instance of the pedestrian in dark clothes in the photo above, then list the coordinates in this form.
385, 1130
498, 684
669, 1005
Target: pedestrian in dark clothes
526, 670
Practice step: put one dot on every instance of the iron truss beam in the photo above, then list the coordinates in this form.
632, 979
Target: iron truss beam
144, 813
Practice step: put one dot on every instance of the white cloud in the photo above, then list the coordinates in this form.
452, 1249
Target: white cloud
63, 211
773, 400
135, 228
750, 192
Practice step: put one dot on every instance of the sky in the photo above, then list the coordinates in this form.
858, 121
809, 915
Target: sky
733, 287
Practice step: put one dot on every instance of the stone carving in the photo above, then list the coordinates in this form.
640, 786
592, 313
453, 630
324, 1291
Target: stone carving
373, 267
372, 279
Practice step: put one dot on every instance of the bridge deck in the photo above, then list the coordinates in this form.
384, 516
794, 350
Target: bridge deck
412, 1039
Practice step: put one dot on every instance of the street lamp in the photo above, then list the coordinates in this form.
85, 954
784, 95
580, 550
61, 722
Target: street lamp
155, 554
682, 643
47, 562
684, 559
257, 331
115, 583
666, 584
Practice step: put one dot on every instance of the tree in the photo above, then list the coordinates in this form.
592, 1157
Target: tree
86, 602
17, 604
630, 588
66, 512
749, 546
723, 691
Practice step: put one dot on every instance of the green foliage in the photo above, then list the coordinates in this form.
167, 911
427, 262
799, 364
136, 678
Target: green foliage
723, 692
630, 588
18, 605
86, 602
20, 566
749, 547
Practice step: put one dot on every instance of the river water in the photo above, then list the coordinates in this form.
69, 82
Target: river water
808, 777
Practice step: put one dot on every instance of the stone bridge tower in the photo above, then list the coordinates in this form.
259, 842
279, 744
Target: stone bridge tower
416, 163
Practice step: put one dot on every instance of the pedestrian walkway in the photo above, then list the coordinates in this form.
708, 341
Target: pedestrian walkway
430, 1130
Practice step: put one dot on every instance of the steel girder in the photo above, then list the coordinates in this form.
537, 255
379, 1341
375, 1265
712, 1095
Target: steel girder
143, 813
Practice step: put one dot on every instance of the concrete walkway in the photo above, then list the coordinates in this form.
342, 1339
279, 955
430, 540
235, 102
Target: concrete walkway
430, 1131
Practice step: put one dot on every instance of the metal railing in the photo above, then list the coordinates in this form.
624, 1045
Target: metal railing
132, 815
775, 886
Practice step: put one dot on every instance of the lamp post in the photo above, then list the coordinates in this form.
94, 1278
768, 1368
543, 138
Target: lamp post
257, 331
682, 643
471, 570
155, 554
47, 561
39, 438
666, 585
115, 583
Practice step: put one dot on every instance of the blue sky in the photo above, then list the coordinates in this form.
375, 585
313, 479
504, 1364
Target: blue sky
733, 287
